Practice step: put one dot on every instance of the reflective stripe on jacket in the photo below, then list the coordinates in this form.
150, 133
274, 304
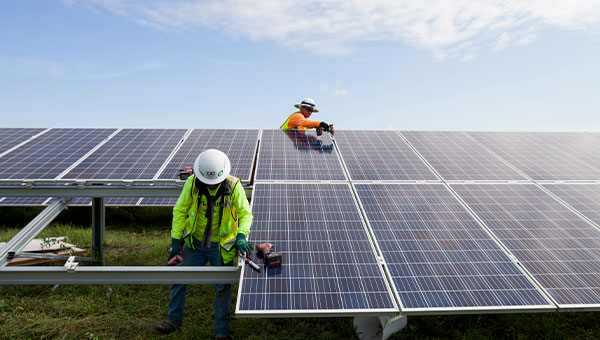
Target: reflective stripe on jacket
189, 215
297, 121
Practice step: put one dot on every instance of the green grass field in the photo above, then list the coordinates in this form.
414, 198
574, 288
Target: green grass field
131, 311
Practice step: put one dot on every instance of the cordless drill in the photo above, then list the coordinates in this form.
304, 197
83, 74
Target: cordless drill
175, 260
270, 256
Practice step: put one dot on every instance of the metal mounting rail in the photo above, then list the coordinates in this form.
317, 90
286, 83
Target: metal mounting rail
119, 275
31, 230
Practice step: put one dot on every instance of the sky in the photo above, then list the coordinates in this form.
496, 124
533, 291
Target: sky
368, 64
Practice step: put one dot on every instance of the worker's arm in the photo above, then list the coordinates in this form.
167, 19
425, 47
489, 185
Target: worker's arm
298, 120
181, 209
243, 209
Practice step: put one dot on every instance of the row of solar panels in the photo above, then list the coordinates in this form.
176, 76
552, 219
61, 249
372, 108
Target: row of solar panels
448, 248
117, 154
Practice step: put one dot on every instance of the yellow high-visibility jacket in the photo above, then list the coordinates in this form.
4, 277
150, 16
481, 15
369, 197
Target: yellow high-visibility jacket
189, 218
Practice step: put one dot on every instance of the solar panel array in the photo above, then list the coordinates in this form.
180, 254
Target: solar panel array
297, 155
238, 145
380, 155
583, 146
329, 264
50, 154
560, 249
585, 198
536, 157
131, 154
457, 156
11, 137
438, 255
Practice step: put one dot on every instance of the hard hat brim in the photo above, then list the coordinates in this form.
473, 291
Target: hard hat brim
314, 108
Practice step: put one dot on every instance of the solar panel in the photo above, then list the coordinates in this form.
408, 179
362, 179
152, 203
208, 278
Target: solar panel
11, 137
297, 155
535, 157
329, 265
561, 250
46, 156
456, 156
380, 155
439, 257
583, 146
159, 201
584, 198
130, 154
238, 145
23, 201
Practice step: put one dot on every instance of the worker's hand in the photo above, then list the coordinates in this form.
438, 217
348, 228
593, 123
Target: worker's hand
242, 244
325, 126
174, 248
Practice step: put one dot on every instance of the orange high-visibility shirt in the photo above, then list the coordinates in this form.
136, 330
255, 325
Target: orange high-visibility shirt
297, 121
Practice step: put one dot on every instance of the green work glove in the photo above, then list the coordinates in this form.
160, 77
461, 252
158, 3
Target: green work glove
242, 244
174, 248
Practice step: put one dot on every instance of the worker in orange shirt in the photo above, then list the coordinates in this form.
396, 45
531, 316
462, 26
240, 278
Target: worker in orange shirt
299, 119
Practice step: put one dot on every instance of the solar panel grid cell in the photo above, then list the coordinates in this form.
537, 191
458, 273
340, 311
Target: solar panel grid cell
130, 154
297, 155
536, 157
438, 255
558, 248
51, 153
380, 155
456, 156
584, 198
11, 137
328, 265
238, 145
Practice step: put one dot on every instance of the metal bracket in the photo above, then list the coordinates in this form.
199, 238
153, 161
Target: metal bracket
71, 265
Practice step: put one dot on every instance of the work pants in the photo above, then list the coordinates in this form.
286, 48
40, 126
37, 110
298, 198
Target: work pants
199, 257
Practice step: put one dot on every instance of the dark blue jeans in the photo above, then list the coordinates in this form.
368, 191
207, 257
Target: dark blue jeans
199, 257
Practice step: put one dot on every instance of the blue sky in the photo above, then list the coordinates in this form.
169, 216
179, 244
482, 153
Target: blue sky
406, 65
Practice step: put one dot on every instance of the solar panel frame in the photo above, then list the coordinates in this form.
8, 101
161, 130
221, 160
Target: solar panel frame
557, 247
456, 156
407, 258
535, 157
392, 310
367, 164
199, 140
307, 166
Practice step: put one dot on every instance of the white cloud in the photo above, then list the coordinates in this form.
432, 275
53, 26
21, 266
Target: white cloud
334, 90
79, 70
445, 27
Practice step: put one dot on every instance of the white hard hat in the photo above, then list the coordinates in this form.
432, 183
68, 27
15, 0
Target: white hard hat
212, 166
307, 102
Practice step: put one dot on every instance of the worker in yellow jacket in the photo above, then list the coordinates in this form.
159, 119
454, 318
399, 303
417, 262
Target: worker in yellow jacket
299, 119
211, 223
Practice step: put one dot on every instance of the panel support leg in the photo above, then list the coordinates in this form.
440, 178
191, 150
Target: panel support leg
98, 229
378, 327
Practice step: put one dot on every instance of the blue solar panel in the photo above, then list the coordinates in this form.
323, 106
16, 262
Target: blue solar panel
48, 155
130, 154
159, 201
561, 250
329, 264
297, 155
11, 137
456, 156
238, 145
536, 157
23, 201
439, 257
380, 155
584, 198
583, 146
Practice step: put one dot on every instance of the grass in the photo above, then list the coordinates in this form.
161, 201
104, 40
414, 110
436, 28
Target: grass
130, 311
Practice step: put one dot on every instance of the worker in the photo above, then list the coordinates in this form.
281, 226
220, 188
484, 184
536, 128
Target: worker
299, 119
211, 222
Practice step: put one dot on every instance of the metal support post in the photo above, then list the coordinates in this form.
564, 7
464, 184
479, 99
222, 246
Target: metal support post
98, 229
